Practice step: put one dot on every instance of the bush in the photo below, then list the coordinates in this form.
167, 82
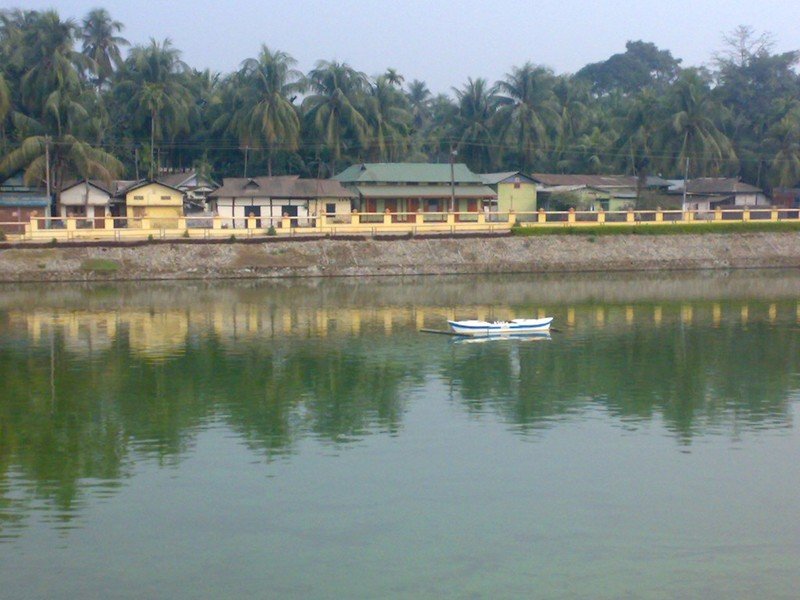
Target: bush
185, 233
2, 236
232, 238
271, 230
53, 242
150, 237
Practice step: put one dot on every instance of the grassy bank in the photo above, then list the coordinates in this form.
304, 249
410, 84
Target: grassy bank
665, 229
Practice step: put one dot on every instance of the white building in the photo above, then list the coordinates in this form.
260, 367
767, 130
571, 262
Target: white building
268, 199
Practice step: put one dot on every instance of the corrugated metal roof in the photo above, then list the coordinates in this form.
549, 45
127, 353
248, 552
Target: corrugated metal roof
24, 200
495, 178
598, 181
285, 186
407, 173
424, 191
719, 185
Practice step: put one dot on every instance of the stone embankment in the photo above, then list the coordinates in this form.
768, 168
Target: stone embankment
367, 257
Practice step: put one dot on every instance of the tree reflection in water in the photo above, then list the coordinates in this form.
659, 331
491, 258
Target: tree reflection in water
120, 376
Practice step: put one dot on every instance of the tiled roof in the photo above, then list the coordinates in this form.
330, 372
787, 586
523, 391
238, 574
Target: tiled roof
407, 173
179, 179
286, 186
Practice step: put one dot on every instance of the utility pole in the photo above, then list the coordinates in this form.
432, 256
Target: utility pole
136, 161
685, 177
453, 153
47, 165
246, 149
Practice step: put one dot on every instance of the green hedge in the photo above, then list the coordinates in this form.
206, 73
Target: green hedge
665, 229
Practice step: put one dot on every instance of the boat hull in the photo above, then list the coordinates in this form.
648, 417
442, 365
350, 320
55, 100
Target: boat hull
515, 327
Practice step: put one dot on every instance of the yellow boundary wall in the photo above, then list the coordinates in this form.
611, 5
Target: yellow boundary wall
372, 224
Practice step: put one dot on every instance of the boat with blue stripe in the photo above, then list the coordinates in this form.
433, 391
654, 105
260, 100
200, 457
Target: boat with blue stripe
474, 327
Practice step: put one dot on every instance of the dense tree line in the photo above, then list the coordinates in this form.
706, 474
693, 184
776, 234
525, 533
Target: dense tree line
70, 94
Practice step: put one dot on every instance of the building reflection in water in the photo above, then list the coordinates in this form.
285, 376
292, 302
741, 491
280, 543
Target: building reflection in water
96, 379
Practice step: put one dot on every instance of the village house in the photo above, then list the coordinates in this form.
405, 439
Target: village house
708, 193
588, 192
514, 192
267, 199
92, 200
195, 188
415, 187
19, 202
160, 204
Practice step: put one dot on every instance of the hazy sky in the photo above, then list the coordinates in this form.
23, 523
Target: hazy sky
439, 42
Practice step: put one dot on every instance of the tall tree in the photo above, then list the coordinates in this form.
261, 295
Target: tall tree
693, 131
153, 78
528, 111
474, 124
101, 44
784, 139
268, 117
335, 109
388, 117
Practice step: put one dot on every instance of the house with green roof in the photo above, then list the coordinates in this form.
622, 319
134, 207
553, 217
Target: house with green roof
415, 187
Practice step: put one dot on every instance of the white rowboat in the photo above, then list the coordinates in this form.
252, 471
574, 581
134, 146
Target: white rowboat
513, 327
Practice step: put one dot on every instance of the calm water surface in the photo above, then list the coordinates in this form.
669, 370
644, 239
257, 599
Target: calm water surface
303, 439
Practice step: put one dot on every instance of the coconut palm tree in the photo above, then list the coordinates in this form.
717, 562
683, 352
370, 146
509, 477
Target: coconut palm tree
636, 143
335, 109
394, 78
692, 131
268, 117
784, 138
57, 135
49, 60
154, 81
528, 110
389, 118
474, 124
101, 44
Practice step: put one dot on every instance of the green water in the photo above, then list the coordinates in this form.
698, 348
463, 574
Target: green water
303, 439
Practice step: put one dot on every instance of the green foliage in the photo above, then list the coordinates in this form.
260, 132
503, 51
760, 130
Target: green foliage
100, 265
150, 237
664, 229
639, 112
185, 233
271, 230
2, 236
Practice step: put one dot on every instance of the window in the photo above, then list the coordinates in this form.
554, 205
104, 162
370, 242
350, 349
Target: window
166, 197
330, 208
138, 197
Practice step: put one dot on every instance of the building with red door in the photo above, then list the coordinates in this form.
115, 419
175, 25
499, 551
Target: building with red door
405, 188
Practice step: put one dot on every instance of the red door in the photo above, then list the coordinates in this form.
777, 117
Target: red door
99, 217
413, 207
391, 206
371, 206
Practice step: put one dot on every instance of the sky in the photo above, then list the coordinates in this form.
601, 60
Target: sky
439, 42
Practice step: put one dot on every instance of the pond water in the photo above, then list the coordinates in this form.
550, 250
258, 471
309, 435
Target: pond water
302, 439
